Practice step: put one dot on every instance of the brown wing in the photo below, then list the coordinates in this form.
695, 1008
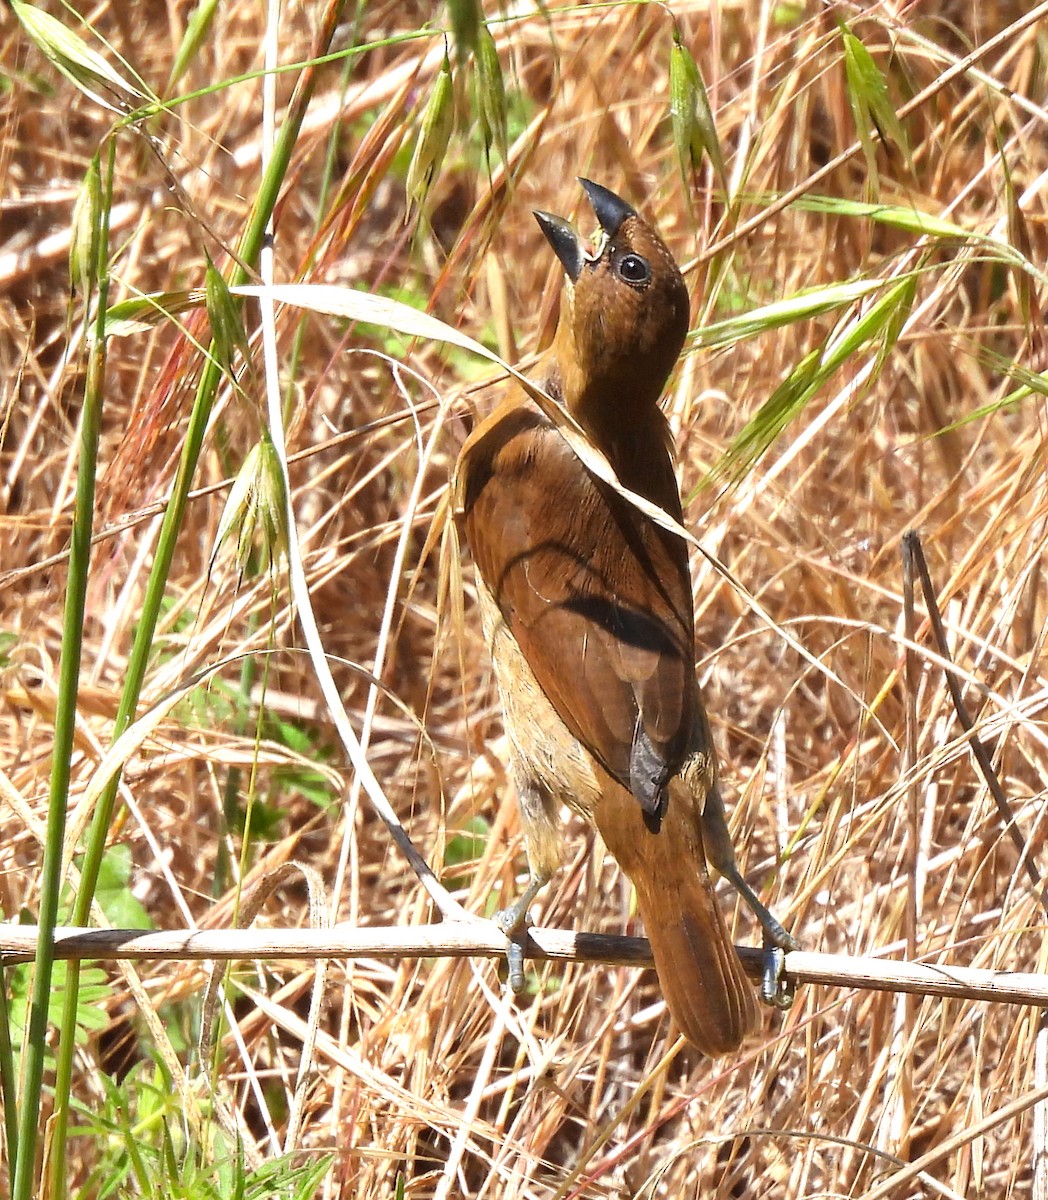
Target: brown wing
597, 597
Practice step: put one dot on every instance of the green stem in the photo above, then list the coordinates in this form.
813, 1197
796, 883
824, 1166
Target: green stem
65, 721
231, 790
156, 586
7, 1073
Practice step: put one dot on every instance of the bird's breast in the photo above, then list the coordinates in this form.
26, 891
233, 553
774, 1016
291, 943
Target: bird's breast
543, 745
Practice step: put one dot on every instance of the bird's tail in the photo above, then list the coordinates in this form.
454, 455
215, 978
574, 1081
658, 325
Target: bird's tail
706, 989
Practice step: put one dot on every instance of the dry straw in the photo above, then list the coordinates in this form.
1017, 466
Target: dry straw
866, 360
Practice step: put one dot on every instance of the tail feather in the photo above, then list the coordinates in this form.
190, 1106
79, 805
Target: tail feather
707, 992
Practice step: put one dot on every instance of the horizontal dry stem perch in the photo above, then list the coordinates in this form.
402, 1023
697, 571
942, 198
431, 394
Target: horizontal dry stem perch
459, 939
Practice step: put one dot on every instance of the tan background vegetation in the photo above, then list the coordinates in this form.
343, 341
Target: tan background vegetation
420, 1070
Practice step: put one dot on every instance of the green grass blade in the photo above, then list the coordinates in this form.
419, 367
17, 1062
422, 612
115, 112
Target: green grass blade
869, 101
802, 306
23, 1186
156, 587
197, 28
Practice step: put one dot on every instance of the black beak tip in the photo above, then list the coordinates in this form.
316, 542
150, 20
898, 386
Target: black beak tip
610, 210
564, 240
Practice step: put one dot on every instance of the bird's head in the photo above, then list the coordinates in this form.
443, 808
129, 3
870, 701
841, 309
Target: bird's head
626, 312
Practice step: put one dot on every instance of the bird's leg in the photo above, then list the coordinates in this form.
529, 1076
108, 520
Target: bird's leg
514, 920
515, 917
720, 852
538, 814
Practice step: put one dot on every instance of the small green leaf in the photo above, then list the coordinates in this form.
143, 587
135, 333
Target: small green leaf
438, 123
869, 101
927, 225
902, 299
114, 893
1033, 383
854, 336
858, 333
85, 68
86, 230
802, 306
91, 1013
906, 218
141, 313
197, 28
467, 845
227, 327
491, 92
771, 418
8, 641
788, 13
694, 130
260, 821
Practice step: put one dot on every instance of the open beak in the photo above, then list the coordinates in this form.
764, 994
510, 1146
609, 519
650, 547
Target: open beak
610, 211
565, 242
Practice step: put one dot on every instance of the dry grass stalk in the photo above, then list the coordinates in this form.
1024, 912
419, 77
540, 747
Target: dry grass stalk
421, 1069
464, 939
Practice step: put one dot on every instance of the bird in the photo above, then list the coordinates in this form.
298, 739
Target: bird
587, 610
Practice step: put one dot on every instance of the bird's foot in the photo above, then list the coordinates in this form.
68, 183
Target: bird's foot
514, 922
777, 989
775, 933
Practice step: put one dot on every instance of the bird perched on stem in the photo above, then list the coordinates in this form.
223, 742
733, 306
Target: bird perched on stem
587, 610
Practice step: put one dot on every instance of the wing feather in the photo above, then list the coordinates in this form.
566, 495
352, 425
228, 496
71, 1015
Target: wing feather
597, 597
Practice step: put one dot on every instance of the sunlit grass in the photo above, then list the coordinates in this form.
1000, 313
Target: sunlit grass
851, 374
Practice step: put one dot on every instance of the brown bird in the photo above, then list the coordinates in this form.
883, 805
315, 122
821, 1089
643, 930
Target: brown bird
587, 610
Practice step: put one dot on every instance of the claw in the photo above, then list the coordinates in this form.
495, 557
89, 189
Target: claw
515, 964
777, 990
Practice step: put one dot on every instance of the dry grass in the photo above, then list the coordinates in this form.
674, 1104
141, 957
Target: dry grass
420, 1069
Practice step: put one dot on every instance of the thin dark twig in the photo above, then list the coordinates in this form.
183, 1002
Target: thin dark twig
912, 548
910, 749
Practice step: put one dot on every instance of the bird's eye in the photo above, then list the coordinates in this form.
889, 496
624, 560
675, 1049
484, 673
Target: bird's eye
634, 269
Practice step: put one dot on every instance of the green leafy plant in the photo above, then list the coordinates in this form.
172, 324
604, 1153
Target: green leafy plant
144, 1149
